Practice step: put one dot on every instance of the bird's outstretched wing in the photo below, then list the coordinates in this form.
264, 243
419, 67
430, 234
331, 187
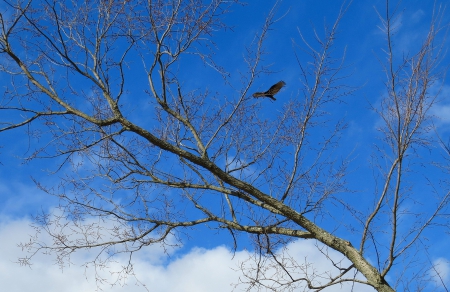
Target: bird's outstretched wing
272, 91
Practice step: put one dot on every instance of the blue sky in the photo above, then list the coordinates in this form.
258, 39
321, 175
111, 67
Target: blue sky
205, 262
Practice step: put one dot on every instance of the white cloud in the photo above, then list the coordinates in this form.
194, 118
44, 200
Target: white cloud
441, 269
441, 109
417, 16
199, 270
443, 113
18, 196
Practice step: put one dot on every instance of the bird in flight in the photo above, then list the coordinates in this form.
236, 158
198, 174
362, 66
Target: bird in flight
271, 92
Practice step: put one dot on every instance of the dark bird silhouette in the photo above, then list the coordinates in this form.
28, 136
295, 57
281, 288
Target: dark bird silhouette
271, 92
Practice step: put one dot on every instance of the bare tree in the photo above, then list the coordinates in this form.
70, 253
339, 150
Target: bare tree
79, 73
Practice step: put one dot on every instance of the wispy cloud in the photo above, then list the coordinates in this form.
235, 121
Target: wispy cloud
198, 270
441, 109
441, 268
